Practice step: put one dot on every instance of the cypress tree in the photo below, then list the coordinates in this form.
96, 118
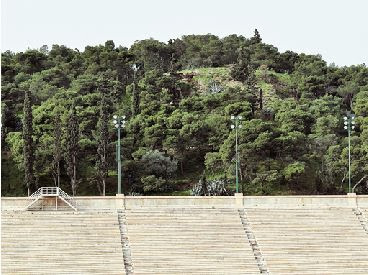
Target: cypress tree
28, 146
72, 148
57, 150
103, 142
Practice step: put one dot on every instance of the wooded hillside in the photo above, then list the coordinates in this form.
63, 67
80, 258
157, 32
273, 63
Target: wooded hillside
178, 98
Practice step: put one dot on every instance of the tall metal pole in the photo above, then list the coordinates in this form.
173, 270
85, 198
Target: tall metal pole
349, 125
349, 122
119, 159
236, 156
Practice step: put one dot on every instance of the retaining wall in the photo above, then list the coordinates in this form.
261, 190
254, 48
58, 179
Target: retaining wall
237, 201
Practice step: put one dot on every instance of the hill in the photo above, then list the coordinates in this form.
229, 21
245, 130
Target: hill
178, 99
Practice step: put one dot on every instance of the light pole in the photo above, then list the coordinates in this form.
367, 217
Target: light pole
236, 126
349, 124
135, 69
119, 122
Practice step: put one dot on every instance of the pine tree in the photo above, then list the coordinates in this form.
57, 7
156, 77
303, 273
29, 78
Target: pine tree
242, 69
103, 142
257, 37
57, 150
72, 148
28, 147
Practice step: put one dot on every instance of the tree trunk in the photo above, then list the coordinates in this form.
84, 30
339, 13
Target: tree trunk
74, 181
104, 187
181, 167
261, 99
58, 174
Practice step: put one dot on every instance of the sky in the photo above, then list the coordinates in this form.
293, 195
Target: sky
336, 29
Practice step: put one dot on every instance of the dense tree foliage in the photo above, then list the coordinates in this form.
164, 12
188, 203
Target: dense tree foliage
178, 98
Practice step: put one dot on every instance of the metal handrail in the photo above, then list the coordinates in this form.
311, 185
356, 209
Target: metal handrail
35, 194
56, 191
67, 197
50, 190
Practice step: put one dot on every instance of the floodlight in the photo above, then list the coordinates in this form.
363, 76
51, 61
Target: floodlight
345, 118
232, 126
232, 117
345, 123
345, 127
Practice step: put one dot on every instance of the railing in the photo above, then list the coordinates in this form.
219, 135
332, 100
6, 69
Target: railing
51, 192
32, 198
47, 191
35, 194
67, 198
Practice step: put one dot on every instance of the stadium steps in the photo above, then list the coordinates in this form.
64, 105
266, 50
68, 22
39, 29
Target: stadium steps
362, 218
189, 241
303, 241
262, 265
125, 243
60, 242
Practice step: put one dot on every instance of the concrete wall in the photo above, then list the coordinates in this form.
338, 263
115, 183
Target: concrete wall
362, 201
178, 201
237, 201
303, 201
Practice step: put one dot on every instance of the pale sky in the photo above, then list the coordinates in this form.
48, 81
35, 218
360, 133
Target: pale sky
336, 29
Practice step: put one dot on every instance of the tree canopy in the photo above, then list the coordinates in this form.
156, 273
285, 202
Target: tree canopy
178, 98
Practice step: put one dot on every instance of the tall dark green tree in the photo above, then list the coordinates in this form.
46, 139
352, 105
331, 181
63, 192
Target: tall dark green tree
135, 96
28, 146
103, 143
72, 148
57, 150
242, 68
256, 38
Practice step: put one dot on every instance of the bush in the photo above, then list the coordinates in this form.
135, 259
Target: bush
151, 183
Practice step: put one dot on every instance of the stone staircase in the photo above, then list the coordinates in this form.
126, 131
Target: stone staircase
125, 242
64, 242
189, 241
262, 265
361, 215
318, 241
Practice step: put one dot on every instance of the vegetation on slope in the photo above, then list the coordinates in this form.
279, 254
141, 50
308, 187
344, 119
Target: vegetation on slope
178, 105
